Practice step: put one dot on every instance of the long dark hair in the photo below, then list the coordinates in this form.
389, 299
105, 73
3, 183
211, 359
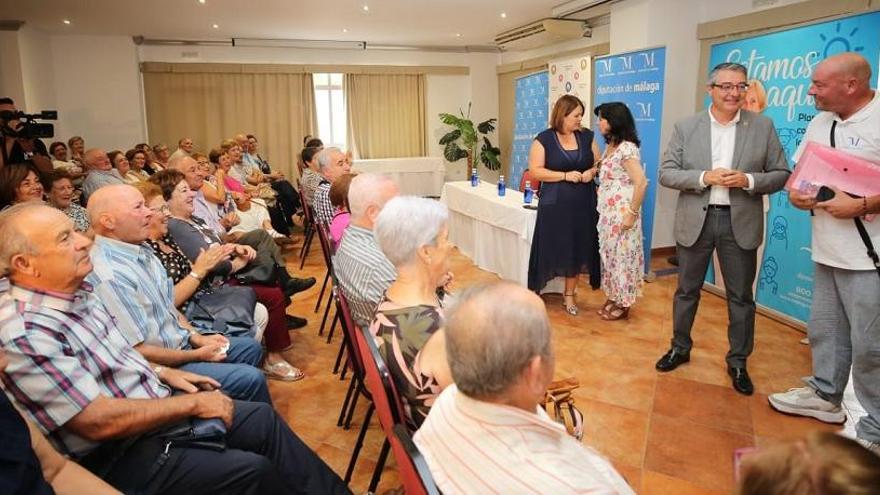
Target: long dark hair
622, 126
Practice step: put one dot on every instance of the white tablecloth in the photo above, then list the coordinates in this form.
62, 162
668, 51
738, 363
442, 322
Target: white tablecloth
495, 232
418, 176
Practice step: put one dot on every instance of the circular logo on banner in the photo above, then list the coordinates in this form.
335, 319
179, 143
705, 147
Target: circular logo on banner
560, 77
577, 75
553, 69
568, 86
583, 64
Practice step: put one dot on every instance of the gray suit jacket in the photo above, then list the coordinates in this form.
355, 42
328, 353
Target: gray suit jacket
756, 151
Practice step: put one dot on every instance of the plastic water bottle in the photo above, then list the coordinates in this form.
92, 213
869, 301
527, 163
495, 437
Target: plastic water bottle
528, 194
475, 179
502, 186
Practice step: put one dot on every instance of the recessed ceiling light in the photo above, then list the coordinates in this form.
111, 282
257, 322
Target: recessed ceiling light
66, 21
458, 35
504, 15
202, 2
366, 8
215, 26
344, 30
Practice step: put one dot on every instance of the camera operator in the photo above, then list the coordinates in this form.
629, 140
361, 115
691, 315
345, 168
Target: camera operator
20, 149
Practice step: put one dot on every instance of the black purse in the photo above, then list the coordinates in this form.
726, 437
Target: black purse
227, 310
196, 433
259, 271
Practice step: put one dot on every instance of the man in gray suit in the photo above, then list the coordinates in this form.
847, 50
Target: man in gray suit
722, 161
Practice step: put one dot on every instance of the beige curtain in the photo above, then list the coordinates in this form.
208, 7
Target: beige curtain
386, 114
279, 109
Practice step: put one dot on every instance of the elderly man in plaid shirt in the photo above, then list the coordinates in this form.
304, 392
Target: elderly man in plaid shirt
100, 402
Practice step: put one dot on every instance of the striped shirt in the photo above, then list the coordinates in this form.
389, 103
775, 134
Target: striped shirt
363, 273
133, 284
64, 352
479, 447
324, 209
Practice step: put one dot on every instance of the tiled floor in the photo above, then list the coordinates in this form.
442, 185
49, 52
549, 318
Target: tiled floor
666, 433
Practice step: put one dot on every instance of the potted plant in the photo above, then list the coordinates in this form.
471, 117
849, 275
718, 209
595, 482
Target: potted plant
462, 140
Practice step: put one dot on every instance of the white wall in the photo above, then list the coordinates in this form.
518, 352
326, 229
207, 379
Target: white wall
97, 90
10, 67
36, 70
444, 93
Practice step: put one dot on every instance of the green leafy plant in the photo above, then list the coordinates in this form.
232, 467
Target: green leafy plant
463, 139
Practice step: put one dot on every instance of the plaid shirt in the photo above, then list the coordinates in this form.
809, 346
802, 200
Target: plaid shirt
324, 209
363, 273
133, 284
64, 352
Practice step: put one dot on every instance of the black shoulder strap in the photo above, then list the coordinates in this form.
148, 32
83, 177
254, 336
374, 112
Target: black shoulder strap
860, 226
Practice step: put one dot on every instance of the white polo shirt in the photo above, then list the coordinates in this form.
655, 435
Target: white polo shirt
836, 241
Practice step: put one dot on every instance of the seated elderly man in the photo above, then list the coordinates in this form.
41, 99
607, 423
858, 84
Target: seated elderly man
332, 164
499, 350
99, 402
362, 270
100, 173
184, 148
134, 286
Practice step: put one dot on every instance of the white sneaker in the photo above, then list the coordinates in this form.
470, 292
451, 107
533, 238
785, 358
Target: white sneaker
805, 402
872, 446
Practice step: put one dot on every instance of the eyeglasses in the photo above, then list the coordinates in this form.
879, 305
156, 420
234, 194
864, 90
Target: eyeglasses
162, 209
729, 87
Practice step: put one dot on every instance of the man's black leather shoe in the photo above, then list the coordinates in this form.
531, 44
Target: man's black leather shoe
294, 322
295, 285
672, 360
741, 381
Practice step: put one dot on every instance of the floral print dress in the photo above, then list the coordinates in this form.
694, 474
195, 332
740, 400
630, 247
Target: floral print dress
623, 263
401, 333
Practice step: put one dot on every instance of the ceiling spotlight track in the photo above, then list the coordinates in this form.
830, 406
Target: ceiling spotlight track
315, 44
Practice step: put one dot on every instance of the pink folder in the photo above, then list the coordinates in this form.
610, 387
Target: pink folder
822, 165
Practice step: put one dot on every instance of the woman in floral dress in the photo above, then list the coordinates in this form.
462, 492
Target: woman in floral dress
621, 191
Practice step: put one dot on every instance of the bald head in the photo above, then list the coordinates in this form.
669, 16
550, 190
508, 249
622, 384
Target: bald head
97, 159
494, 334
241, 140
190, 169
119, 212
848, 65
842, 84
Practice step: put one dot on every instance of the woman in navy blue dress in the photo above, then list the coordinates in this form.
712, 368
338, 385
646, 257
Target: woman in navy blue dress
565, 243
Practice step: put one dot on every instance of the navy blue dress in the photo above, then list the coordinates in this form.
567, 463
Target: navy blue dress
566, 242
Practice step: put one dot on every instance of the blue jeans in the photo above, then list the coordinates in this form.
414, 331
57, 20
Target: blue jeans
239, 376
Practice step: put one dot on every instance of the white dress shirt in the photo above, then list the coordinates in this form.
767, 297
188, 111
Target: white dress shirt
723, 143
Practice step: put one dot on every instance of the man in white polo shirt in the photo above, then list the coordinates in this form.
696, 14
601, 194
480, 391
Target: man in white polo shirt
487, 433
844, 326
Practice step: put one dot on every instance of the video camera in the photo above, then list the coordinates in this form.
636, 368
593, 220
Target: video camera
27, 127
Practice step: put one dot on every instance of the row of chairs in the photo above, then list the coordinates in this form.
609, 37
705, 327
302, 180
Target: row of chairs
370, 378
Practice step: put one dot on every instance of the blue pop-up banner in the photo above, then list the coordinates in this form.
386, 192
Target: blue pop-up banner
530, 119
637, 80
780, 67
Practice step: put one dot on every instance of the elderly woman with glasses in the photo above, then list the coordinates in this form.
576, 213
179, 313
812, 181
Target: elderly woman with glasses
413, 234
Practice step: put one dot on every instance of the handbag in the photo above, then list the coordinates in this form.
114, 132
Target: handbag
227, 310
559, 404
196, 433
259, 271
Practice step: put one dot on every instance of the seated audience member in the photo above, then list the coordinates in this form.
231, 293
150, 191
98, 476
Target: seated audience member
253, 214
287, 196
152, 166
499, 349
100, 173
77, 147
184, 148
822, 464
190, 282
30, 464
59, 191
332, 165
309, 177
254, 183
362, 270
339, 200
133, 285
98, 400
123, 166
160, 155
314, 143
60, 160
137, 159
20, 183
214, 198
193, 237
412, 233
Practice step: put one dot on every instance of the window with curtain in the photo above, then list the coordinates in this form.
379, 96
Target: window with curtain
386, 115
330, 109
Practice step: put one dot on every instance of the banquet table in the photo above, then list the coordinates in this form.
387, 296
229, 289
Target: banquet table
417, 176
494, 231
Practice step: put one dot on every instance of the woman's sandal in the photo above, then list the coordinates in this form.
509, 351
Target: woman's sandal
606, 307
282, 370
572, 308
616, 313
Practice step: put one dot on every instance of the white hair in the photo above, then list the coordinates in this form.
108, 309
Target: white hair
366, 190
324, 157
406, 224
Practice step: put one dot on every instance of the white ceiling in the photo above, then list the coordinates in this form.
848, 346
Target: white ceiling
405, 22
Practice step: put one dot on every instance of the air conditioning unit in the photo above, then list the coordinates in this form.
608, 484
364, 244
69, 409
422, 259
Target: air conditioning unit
542, 32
